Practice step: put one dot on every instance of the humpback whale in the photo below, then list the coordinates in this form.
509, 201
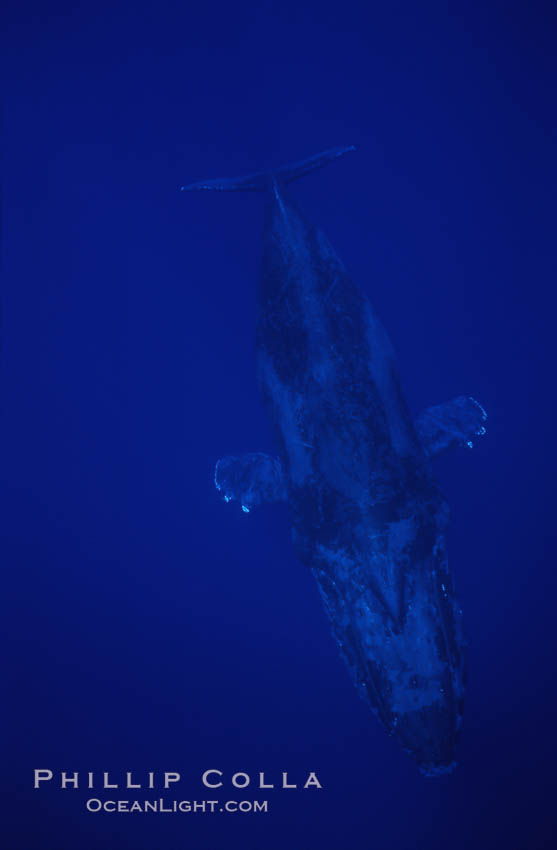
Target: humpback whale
367, 516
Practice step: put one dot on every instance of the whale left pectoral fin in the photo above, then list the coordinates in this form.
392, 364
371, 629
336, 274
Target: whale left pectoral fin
250, 479
455, 423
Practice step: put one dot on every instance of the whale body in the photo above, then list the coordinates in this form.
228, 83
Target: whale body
367, 515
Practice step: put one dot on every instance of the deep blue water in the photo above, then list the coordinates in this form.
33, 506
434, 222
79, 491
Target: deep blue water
152, 627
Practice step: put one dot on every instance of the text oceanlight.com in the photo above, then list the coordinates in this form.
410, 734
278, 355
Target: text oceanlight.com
177, 806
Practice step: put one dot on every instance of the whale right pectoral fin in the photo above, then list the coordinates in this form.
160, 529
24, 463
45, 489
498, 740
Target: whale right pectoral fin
454, 423
250, 479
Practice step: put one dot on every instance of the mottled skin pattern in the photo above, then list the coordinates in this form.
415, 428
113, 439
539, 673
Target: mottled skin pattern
367, 516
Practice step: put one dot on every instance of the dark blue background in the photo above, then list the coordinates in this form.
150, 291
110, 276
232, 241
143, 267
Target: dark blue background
151, 627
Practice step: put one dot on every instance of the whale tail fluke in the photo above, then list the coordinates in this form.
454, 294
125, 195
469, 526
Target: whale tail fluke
261, 181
